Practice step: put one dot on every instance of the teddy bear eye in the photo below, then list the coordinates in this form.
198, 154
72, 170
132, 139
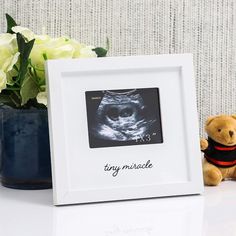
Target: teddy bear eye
219, 130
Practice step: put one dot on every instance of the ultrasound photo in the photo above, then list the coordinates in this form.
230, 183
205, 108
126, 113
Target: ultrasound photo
123, 117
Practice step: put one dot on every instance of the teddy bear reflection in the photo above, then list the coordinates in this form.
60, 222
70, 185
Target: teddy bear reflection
121, 117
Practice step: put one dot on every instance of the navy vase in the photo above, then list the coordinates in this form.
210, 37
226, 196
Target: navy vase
25, 151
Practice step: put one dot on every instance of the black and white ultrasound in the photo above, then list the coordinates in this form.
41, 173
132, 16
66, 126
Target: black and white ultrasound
123, 117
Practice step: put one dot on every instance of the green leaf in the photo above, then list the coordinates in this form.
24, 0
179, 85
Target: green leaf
15, 98
101, 52
24, 48
10, 23
10, 98
5, 99
29, 90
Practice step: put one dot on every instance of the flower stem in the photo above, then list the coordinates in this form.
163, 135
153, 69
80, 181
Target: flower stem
13, 89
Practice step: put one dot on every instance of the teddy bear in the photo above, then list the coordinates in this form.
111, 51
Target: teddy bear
219, 149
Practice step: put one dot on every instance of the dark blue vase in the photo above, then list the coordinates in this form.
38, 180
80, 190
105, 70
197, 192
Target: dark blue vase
25, 152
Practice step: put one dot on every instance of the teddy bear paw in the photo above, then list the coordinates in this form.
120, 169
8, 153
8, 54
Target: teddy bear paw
212, 177
204, 144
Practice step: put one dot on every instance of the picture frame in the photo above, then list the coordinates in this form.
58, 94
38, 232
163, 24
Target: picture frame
123, 128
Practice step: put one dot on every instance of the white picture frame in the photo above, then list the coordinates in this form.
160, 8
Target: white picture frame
78, 130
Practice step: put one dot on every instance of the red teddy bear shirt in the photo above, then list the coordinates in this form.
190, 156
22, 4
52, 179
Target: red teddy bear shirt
220, 155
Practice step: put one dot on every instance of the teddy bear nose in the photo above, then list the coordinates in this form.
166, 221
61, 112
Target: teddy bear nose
231, 133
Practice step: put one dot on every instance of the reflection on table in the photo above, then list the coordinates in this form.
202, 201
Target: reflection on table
32, 213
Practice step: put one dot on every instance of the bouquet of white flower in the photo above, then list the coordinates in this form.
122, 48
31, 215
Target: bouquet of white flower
22, 57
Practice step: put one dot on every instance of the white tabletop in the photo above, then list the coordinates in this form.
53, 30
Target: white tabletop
31, 213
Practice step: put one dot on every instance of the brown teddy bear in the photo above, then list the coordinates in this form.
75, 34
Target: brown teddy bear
219, 149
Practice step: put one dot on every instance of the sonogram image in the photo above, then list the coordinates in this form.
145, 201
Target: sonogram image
123, 117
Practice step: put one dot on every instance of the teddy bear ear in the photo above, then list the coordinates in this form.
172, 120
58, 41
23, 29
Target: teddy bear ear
209, 120
234, 116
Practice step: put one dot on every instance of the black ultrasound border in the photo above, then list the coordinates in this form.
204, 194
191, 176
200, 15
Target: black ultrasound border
109, 144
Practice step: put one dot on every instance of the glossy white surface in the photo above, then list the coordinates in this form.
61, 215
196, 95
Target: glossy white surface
27, 213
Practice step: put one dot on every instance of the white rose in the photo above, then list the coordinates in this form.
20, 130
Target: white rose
37, 54
42, 98
59, 48
81, 50
86, 52
27, 33
3, 80
48, 48
77, 47
8, 55
8, 39
42, 39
